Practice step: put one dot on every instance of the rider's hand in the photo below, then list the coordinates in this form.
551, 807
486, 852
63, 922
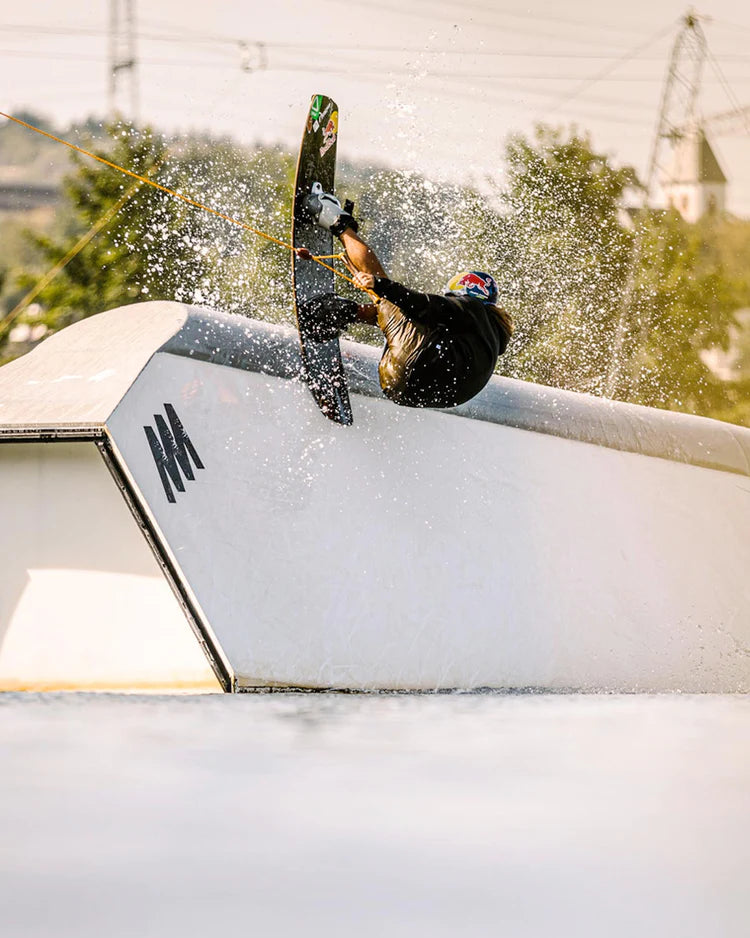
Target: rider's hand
364, 281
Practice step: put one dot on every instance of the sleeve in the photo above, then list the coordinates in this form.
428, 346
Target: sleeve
408, 301
425, 308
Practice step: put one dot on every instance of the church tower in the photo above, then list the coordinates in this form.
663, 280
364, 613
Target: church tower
695, 183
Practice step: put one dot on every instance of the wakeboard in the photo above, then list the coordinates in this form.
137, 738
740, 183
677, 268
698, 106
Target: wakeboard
324, 370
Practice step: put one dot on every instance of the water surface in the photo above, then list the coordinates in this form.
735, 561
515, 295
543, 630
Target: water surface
473, 815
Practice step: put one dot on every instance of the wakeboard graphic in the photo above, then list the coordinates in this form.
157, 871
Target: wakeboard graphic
324, 370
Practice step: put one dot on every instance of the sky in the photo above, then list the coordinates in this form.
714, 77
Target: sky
434, 86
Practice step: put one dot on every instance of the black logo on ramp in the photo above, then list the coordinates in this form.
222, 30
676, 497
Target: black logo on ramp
173, 451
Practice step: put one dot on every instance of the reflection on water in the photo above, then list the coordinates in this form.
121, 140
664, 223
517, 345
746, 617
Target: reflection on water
370, 816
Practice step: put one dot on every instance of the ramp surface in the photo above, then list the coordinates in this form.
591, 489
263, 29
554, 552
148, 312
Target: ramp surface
530, 539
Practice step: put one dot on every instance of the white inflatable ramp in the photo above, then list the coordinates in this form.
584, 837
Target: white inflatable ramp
177, 513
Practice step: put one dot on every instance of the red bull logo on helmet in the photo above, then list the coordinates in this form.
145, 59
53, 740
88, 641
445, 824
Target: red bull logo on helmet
473, 283
475, 280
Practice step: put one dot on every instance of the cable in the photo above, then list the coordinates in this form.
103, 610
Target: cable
98, 226
727, 25
603, 73
261, 234
471, 4
29, 298
563, 21
307, 67
456, 19
54, 30
234, 42
310, 46
389, 70
733, 99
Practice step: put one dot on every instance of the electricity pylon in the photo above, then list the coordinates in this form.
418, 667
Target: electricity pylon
677, 117
122, 59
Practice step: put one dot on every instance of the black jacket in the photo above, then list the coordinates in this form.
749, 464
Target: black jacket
440, 350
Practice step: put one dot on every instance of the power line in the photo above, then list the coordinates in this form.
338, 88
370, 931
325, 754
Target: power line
350, 55
54, 30
563, 21
473, 4
203, 39
733, 100
457, 19
608, 69
727, 25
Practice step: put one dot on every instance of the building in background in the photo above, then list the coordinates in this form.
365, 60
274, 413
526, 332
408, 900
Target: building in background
695, 184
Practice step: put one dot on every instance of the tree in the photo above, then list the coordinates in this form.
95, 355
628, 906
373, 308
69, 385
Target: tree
562, 247
684, 303
562, 256
108, 271
216, 263
155, 246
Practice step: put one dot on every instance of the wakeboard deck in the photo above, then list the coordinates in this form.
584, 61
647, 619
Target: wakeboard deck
324, 370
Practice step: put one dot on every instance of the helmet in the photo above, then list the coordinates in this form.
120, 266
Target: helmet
473, 283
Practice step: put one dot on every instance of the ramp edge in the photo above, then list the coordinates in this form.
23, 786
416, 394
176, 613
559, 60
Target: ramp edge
210, 647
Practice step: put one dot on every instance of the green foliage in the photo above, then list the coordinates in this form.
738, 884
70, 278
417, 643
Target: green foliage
109, 269
562, 249
213, 262
155, 246
737, 405
563, 257
683, 304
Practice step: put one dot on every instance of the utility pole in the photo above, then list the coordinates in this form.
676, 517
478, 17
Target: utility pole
678, 110
122, 60
677, 117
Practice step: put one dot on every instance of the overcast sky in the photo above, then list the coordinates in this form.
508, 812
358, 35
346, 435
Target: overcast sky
430, 85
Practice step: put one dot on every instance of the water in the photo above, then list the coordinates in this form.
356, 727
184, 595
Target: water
337, 815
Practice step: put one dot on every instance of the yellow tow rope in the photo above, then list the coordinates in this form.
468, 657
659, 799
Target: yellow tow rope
301, 252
